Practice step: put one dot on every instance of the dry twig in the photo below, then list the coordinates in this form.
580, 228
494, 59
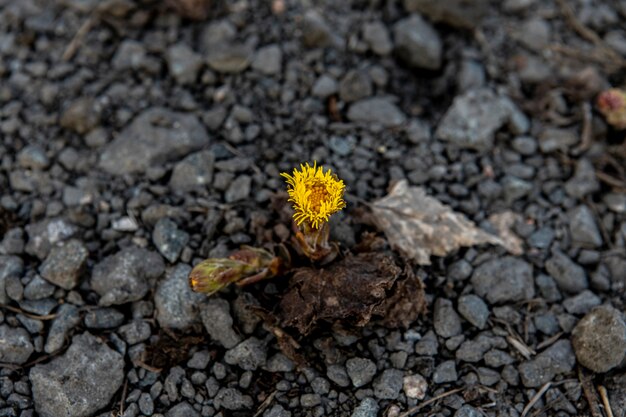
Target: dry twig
605, 401
415, 409
589, 392
536, 398
79, 37
586, 134
266, 403
29, 315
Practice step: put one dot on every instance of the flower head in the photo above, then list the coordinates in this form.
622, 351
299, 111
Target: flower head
612, 104
315, 194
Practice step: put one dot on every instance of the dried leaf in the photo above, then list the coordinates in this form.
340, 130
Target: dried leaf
406, 304
350, 289
504, 222
419, 226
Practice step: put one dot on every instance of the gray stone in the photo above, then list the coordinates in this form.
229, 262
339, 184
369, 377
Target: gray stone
474, 350
268, 60
525, 145
123, 277
504, 280
135, 332
515, 188
337, 374
496, 358
80, 382
104, 318
324, 86
599, 339
445, 372
248, 355
130, 54
474, 310
471, 75
388, 385
46, 233
428, 345
376, 110
584, 181
33, 157
446, 321
183, 63
195, 172
37, 289
146, 405
368, 407
229, 58
583, 227
615, 202
65, 264
473, 119
315, 31
16, 346
81, 116
355, 85
557, 359
418, 43
279, 363
457, 13
219, 323
542, 238
310, 400
581, 303
569, 276
468, 411
555, 139
169, 239
377, 37
10, 267
361, 371
156, 136
277, 410
232, 399
239, 189
183, 409
177, 306
67, 317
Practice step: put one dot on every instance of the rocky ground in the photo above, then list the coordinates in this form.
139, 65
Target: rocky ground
137, 142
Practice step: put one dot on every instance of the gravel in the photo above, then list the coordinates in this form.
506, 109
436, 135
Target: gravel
377, 110
504, 280
473, 309
169, 239
215, 314
361, 371
446, 320
418, 43
80, 382
177, 307
248, 355
65, 263
569, 276
16, 346
387, 386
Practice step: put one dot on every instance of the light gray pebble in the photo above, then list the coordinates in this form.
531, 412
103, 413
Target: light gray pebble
474, 310
388, 385
361, 371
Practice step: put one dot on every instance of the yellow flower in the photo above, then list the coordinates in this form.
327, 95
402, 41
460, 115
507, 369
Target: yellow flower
315, 194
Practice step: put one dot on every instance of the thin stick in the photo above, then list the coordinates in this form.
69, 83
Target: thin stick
549, 341
266, 403
123, 396
589, 393
605, 401
415, 409
535, 398
30, 316
586, 134
78, 38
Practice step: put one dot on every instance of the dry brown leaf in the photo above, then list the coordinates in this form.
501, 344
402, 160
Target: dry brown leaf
419, 226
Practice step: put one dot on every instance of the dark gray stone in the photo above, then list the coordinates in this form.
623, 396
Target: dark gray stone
268, 60
583, 227
338, 374
361, 371
67, 317
183, 409
445, 372
232, 399
418, 43
581, 303
555, 139
428, 345
46, 233
315, 31
16, 346
503, 280
468, 411
239, 189
474, 310
557, 359
65, 264
177, 306
446, 321
584, 182
474, 350
135, 332
156, 136
80, 382
195, 172
367, 408
473, 119
104, 318
169, 239
599, 339
248, 355
229, 58
569, 276
377, 110
183, 63
324, 86
378, 38
123, 277
219, 323
10, 267
355, 85
388, 385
